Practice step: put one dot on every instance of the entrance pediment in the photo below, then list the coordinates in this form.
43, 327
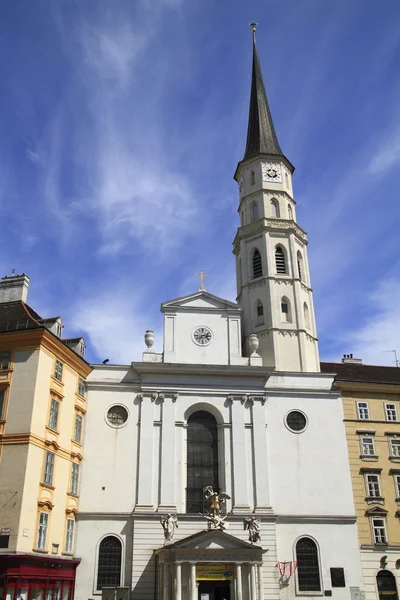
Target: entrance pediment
211, 546
213, 540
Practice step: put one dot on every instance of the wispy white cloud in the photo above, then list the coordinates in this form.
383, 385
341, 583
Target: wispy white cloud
379, 331
387, 154
115, 322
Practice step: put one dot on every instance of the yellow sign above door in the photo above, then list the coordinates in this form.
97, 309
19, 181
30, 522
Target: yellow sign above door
214, 572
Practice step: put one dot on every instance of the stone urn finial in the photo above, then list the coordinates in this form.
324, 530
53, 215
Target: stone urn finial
253, 344
149, 340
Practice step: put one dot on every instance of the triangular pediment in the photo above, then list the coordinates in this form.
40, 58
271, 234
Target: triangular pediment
200, 300
376, 511
213, 540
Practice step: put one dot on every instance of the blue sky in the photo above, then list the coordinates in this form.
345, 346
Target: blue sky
121, 126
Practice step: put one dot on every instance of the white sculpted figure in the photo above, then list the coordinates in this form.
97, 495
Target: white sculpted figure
253, 525
169, 523
215, 518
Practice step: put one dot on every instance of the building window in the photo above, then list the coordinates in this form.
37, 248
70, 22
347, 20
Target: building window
202, 459
2, 402
280, 262
372, 485
58, 370
308, 575
397, 485
394, 445
257, 264
367, 446
296, 421
252, 178
391, 412
286, 313
69, 536
363, 411
117, 415
254, 211
81, 387
275, 212
300, 266
5, 358
78, 428
379, 531
53, 417
259, 313
74, 478
49, 468
42, 531
306, 313
109, 563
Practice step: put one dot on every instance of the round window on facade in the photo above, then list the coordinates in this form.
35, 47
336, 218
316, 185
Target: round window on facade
117, 416
296, 421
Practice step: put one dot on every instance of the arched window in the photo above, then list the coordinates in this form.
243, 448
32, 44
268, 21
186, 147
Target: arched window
386, 582
242, 218
280, 262
202, 459
306, 315
254, 211
259, 313
257, 264
109, 563
252, 178
275, 212
308, 575
286, 312
287, 180
300, 265
290, 212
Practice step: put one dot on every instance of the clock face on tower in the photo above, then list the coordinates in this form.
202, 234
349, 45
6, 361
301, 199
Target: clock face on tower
202, 336
272, 172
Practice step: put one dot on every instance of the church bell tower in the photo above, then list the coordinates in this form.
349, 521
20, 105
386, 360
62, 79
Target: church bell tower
273, 279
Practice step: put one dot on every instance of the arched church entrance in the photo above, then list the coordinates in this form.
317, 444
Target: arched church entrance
387, 588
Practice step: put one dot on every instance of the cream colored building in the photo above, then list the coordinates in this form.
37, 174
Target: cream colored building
42, 413
371, 404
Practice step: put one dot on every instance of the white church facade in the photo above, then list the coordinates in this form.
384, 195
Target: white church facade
234, 406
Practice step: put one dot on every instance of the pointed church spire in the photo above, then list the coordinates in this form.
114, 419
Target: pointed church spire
261, 136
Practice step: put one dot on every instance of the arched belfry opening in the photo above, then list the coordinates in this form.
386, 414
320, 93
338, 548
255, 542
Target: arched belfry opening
202, 459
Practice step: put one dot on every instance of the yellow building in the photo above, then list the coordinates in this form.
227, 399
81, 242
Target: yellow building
42, 408
371, 405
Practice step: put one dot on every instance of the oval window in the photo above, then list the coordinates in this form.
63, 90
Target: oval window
117, 415
296, 421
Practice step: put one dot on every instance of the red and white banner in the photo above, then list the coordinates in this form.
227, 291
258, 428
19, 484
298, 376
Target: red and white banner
290, 566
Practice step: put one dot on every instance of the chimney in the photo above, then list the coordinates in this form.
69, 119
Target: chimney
348, 358
14, 288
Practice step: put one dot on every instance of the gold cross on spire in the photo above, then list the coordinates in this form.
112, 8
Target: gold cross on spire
253, 26
202, 275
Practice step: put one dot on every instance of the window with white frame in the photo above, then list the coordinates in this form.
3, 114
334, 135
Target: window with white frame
2, 402
397, 484
394, 444
49, 468
78, 428
69, 536
391, 412
367, 446
58, 370
74, 478
5, 358
42, 531
81, 387
372, 485
379, 531
54, 410
363, 411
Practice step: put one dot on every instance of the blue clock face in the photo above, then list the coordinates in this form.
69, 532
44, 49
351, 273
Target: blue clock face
202, 336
